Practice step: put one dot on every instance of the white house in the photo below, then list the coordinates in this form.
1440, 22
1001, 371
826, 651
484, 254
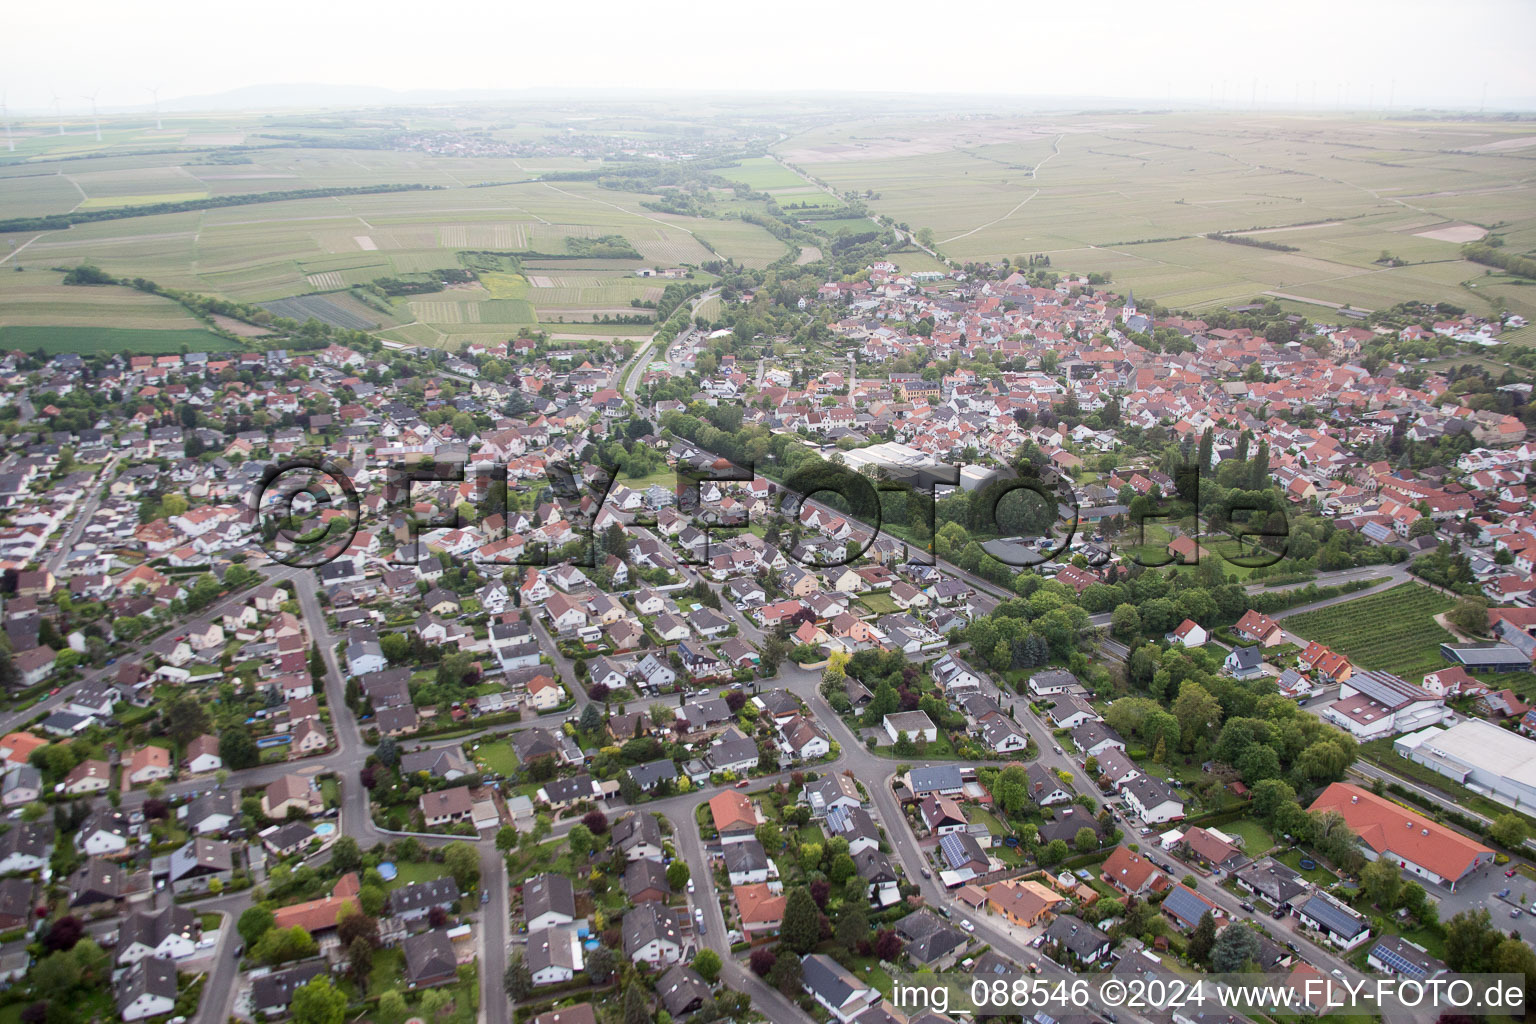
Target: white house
1152, 800
1189, 633
916, 724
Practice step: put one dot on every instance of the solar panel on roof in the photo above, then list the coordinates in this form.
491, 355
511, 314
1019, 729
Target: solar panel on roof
1397, 962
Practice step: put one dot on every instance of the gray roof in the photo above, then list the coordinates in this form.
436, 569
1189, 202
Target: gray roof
152, 976
201, 856
636, 828
1186, 905
645, 874
275, 991
747, 855
1244, 658
654, 772
646, 923
549, 947
1338, 919
548, 892
428, 955
1076, 935
438, 762
938, 778
681, 990
419, 895
1385, 688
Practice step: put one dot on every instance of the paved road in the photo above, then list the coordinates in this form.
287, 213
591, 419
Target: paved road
81, 517
631, 374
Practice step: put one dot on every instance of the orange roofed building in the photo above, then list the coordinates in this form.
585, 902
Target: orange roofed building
1416, 844
322, 914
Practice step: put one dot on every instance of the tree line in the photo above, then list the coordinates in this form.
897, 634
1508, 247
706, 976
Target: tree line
60, 221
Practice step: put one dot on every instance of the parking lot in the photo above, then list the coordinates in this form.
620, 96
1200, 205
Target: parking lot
1484, 889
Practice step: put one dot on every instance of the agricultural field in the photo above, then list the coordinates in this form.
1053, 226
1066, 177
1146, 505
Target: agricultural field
86, 340
1135, 196
1393, 630
763, 174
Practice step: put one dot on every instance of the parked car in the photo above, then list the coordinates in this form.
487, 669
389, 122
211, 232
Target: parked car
1247, 906
690, 885
965, 923
1511, 872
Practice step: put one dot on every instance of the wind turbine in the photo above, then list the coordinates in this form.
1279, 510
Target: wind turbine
56, 115
155, 92
97, 120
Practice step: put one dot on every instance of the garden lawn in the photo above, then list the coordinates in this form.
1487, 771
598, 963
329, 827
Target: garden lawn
879, 603
498, 756
1317, 876
1256, 838
416, 871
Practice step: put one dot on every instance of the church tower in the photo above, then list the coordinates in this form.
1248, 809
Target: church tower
1130, 305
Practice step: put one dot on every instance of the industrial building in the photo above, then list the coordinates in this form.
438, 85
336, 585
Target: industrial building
1479, 755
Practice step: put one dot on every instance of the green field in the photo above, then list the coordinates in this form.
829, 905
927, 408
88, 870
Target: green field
1393, 630
1135, 199
763, 173
85, 340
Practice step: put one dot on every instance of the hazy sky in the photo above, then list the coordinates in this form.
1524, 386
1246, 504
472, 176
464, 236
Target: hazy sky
1437, 52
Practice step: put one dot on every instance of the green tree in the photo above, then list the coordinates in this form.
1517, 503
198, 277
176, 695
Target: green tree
318, 1002
637, 1008
345, 855
1203, 939
392, 1007
371, 898
518, 979
601, 963
506, 837
1509, 830
800, 929
1125, 623
463, 863
1470, 941
237, 748
280, 945
580, 840
707, 964
253, 924
1086, 840
1381, 883
1198, 712
185, 720
360, 960
852, 927
677, 874
1235, 947
785, 975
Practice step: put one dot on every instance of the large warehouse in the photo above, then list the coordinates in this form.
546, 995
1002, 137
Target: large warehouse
1477, 754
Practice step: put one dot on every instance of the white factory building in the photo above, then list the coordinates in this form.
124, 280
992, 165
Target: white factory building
1479, 755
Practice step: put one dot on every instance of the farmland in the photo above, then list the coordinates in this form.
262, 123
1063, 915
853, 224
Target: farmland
1393, 630
85, 340
1136, 197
